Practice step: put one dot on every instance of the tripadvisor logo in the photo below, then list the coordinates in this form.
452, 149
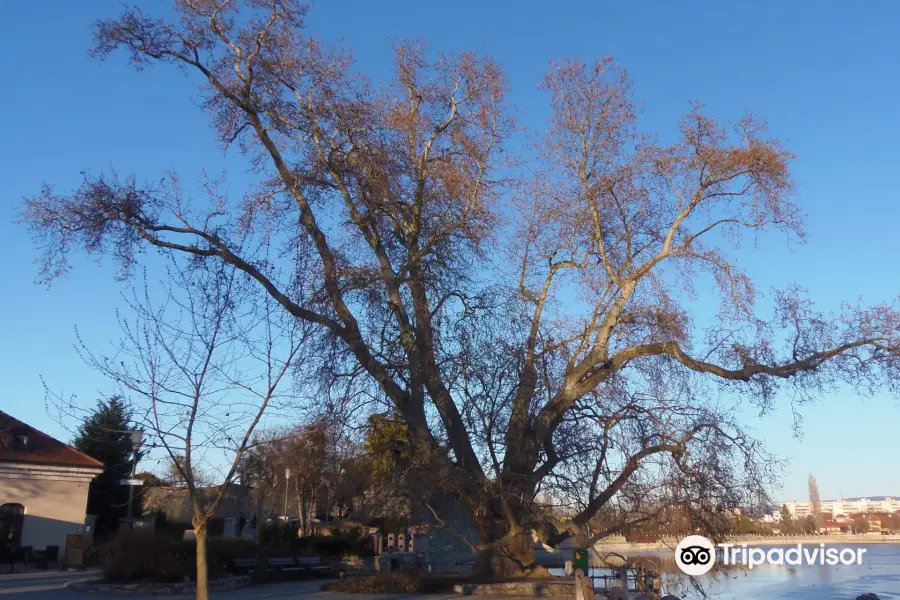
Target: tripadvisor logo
696, 555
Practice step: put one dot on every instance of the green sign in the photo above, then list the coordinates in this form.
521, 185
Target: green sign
580, 560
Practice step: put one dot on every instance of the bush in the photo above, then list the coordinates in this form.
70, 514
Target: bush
338, 544
382, 583
92, 556
404, 582
219, 552
174, 529
143, 556
278, 532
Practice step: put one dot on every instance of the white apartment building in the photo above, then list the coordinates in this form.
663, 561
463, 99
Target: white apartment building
799, 510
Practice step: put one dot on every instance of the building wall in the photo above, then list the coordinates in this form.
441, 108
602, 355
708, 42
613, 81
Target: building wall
842, 507
52, 508
176, 503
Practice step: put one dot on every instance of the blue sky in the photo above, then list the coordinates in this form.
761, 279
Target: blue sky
824, 74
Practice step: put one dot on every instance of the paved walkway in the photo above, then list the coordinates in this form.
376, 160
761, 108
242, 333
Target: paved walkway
40, 584
49, 585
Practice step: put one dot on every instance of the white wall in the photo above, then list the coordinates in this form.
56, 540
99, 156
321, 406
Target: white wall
52, 509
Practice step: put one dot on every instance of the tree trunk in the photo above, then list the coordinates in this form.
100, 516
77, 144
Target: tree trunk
512, 557
200, 529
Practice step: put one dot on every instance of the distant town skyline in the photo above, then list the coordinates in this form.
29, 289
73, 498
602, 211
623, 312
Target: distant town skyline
852, 498
845, 506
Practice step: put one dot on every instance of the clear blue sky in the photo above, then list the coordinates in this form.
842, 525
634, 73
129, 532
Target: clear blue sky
824, 74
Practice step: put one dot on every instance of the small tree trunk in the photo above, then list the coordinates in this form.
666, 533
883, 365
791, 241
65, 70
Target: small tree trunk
200, 529
301, 510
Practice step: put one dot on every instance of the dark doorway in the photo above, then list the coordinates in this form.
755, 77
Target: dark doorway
11, 517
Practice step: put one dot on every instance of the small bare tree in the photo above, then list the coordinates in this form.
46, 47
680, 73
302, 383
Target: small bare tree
815, 502
201, 362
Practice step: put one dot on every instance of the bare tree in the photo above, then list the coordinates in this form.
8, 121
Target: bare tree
201, 363
321, 474
544, 343
815, 503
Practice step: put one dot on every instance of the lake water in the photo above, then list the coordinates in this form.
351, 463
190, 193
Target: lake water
879, 573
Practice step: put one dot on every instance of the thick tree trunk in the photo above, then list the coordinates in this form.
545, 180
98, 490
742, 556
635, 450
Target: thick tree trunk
202, 572
513, 557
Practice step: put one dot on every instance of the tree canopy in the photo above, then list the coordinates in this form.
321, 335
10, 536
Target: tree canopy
528, 317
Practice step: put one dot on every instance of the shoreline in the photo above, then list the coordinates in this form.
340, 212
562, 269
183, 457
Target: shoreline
623, 547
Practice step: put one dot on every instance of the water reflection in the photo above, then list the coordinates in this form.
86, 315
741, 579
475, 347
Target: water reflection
879, 573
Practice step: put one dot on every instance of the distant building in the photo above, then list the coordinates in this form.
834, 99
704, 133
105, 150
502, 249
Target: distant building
175, 503
831, 527
43, 487
875, 504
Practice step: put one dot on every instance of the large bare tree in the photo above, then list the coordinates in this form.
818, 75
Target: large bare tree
535, 332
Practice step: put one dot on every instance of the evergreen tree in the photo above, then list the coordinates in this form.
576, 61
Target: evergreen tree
105, 434
787, 521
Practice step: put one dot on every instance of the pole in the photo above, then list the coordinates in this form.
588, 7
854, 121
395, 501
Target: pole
130, 514
137, 436
287, 478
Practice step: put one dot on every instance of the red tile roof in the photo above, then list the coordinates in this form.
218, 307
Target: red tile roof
41, 448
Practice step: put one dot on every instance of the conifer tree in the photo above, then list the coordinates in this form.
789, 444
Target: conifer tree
105, 434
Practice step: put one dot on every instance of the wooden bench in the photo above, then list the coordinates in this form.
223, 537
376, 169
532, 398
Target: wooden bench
245, 565
281, 564
285, 563
310, 563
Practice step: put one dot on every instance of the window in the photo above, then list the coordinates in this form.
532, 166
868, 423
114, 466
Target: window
18, 439
11, 517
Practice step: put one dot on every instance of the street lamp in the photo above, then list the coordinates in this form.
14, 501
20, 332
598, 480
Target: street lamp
287, 477
136, 438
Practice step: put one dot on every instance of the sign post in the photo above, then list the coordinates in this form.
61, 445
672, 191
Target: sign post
137, 437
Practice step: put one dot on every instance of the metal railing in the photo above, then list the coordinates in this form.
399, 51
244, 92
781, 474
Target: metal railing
634, 581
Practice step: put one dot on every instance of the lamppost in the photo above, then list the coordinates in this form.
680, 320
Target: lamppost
287, 477
136, 438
